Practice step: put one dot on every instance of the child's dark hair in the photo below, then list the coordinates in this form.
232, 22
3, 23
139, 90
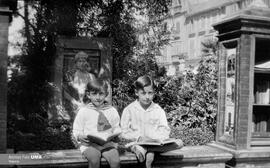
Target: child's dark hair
96, 85
143, 81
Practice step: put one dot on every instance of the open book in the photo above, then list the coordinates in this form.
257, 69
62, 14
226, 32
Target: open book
101, 140
153, 142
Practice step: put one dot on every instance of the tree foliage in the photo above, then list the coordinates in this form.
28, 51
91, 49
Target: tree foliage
199, 92
31, 89
119, 20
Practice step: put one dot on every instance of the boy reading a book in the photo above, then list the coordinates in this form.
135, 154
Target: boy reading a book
97, 119
144, 120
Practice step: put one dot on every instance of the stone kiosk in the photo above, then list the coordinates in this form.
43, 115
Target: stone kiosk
243, 123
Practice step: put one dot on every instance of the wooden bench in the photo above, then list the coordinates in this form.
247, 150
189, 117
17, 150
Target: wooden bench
188, 157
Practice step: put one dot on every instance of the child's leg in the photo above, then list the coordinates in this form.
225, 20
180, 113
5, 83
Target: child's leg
139, 152
93, 156
149, 158
112, 157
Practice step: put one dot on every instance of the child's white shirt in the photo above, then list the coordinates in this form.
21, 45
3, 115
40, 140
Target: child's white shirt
152, 122
86, 122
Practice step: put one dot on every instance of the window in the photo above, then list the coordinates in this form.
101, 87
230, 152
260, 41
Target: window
176, 2
177, 30
176, 48
191, 26
207, 23
215, 18
191, 47
199, 41
203, 22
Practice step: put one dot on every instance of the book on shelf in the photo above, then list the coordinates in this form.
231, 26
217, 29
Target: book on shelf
153, 142
262, 92
253, 123
102, 139
261, 121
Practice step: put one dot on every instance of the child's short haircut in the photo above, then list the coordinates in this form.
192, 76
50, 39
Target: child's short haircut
97, 85
143, 81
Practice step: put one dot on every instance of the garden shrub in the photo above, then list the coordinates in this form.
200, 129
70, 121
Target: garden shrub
56, 136
123, 94
167, 92
193, 136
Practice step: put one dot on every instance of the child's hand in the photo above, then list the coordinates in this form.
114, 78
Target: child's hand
83, 138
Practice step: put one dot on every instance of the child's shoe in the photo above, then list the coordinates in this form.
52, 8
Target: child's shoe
139, 152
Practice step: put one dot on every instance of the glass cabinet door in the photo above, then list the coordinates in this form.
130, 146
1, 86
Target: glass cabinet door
230, 92
261, 92
227, 80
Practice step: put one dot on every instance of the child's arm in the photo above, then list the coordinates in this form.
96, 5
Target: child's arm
127, 131
163, 130
78, 126
115, 121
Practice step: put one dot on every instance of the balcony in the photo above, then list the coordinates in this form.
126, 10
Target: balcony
178, 57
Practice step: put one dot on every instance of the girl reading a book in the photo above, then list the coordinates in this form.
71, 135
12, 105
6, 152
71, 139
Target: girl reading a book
143, 120
97, 119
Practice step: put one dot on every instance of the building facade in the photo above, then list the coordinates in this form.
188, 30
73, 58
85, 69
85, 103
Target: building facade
190, 22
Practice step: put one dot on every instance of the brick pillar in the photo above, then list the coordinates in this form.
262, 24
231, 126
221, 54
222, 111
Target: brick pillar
5, 14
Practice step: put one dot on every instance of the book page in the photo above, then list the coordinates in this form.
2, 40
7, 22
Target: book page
113, 135
96, 139
102, 138
156, 142
170, 140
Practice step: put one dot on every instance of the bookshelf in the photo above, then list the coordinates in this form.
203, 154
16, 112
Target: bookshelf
261, 92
